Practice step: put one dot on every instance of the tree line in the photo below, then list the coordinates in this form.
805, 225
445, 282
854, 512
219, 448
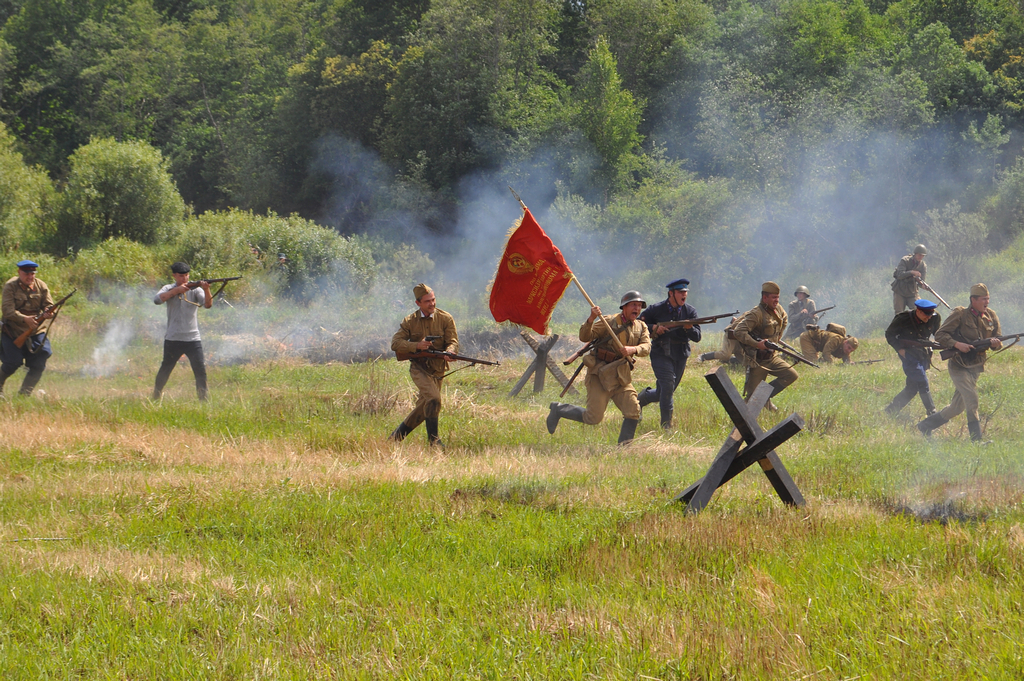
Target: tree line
843, 127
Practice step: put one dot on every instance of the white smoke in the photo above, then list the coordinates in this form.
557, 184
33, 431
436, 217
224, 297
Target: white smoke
107, 355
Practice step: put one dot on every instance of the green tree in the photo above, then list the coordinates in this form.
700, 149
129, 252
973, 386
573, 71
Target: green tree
117, 189
953, 80
26, 197
605, 112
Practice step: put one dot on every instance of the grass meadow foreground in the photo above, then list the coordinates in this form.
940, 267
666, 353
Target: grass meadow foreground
275, 533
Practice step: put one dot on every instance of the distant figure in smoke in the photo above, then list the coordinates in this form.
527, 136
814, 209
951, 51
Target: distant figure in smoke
609, 376
801, 312
670, 348
182, 337
767, 321
916, 326
729, 352
963, 326
910, 270
426, 374
24, 297
832, 343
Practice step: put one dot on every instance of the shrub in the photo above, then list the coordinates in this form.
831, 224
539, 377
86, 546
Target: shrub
116, 189
116, 260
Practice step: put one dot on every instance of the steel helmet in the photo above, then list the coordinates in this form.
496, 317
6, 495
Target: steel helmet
920, 249
802, 289
632, 296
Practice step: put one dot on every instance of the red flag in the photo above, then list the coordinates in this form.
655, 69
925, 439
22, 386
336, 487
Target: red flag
531, 277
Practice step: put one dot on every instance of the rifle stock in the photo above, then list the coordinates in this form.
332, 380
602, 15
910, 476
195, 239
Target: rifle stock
818, 313
20, 341
579, 353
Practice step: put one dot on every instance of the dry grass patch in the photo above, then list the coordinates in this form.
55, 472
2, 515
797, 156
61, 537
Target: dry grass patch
83, 562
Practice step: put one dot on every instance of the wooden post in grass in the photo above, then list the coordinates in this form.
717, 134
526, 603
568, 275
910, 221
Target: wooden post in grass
542, 363
733, 457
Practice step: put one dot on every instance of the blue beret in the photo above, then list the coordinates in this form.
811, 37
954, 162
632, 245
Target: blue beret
25, 264
925, 304
679, 285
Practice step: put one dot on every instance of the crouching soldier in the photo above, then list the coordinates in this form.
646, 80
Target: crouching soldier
832, 343
609, 375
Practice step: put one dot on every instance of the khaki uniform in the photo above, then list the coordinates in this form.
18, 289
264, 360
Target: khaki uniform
426, 374
827, 342
965, 325
729, 344
762, 323
797, 320
612, 381
904, 285
19, 305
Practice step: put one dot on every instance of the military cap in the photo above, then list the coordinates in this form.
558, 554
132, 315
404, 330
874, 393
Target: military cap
802, 289
979, 290
920, 249
27, 265
180, 268
925, 304
770, 287
420, 290
854, 343
632, 296
678, 285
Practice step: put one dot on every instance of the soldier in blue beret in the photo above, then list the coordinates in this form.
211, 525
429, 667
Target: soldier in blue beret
670, 348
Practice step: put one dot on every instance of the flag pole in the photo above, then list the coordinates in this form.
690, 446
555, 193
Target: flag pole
615, 339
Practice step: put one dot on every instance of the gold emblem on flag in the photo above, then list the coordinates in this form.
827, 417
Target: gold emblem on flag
517, 264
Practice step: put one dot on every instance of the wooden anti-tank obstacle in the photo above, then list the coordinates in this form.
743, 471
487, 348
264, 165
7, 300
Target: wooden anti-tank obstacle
542, 363
733, 457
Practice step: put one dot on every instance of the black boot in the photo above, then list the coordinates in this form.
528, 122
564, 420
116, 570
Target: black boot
646, 396
666, 417
400, 432
974, 428
707, 356
432, 438
3, 379
563, 411
931, 423
31, 379
926, 400
901, 401
627, 431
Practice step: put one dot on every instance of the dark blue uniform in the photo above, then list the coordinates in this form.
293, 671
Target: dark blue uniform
669, 353
906, 326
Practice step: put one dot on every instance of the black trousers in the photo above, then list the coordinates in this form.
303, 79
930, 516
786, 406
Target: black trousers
173, 350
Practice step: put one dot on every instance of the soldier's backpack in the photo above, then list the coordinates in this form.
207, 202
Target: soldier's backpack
832, 327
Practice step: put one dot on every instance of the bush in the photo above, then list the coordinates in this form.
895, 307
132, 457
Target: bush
317, 259
116, 189
116, 260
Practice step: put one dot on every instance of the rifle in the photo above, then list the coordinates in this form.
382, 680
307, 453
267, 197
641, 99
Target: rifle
926, 287
572, 379
772, 345
689, 323
865, 361
223, 281
55, 309
579, 353
818, 313
982, 344
441, 354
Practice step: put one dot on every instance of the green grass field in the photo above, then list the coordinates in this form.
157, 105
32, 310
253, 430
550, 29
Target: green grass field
275, 533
